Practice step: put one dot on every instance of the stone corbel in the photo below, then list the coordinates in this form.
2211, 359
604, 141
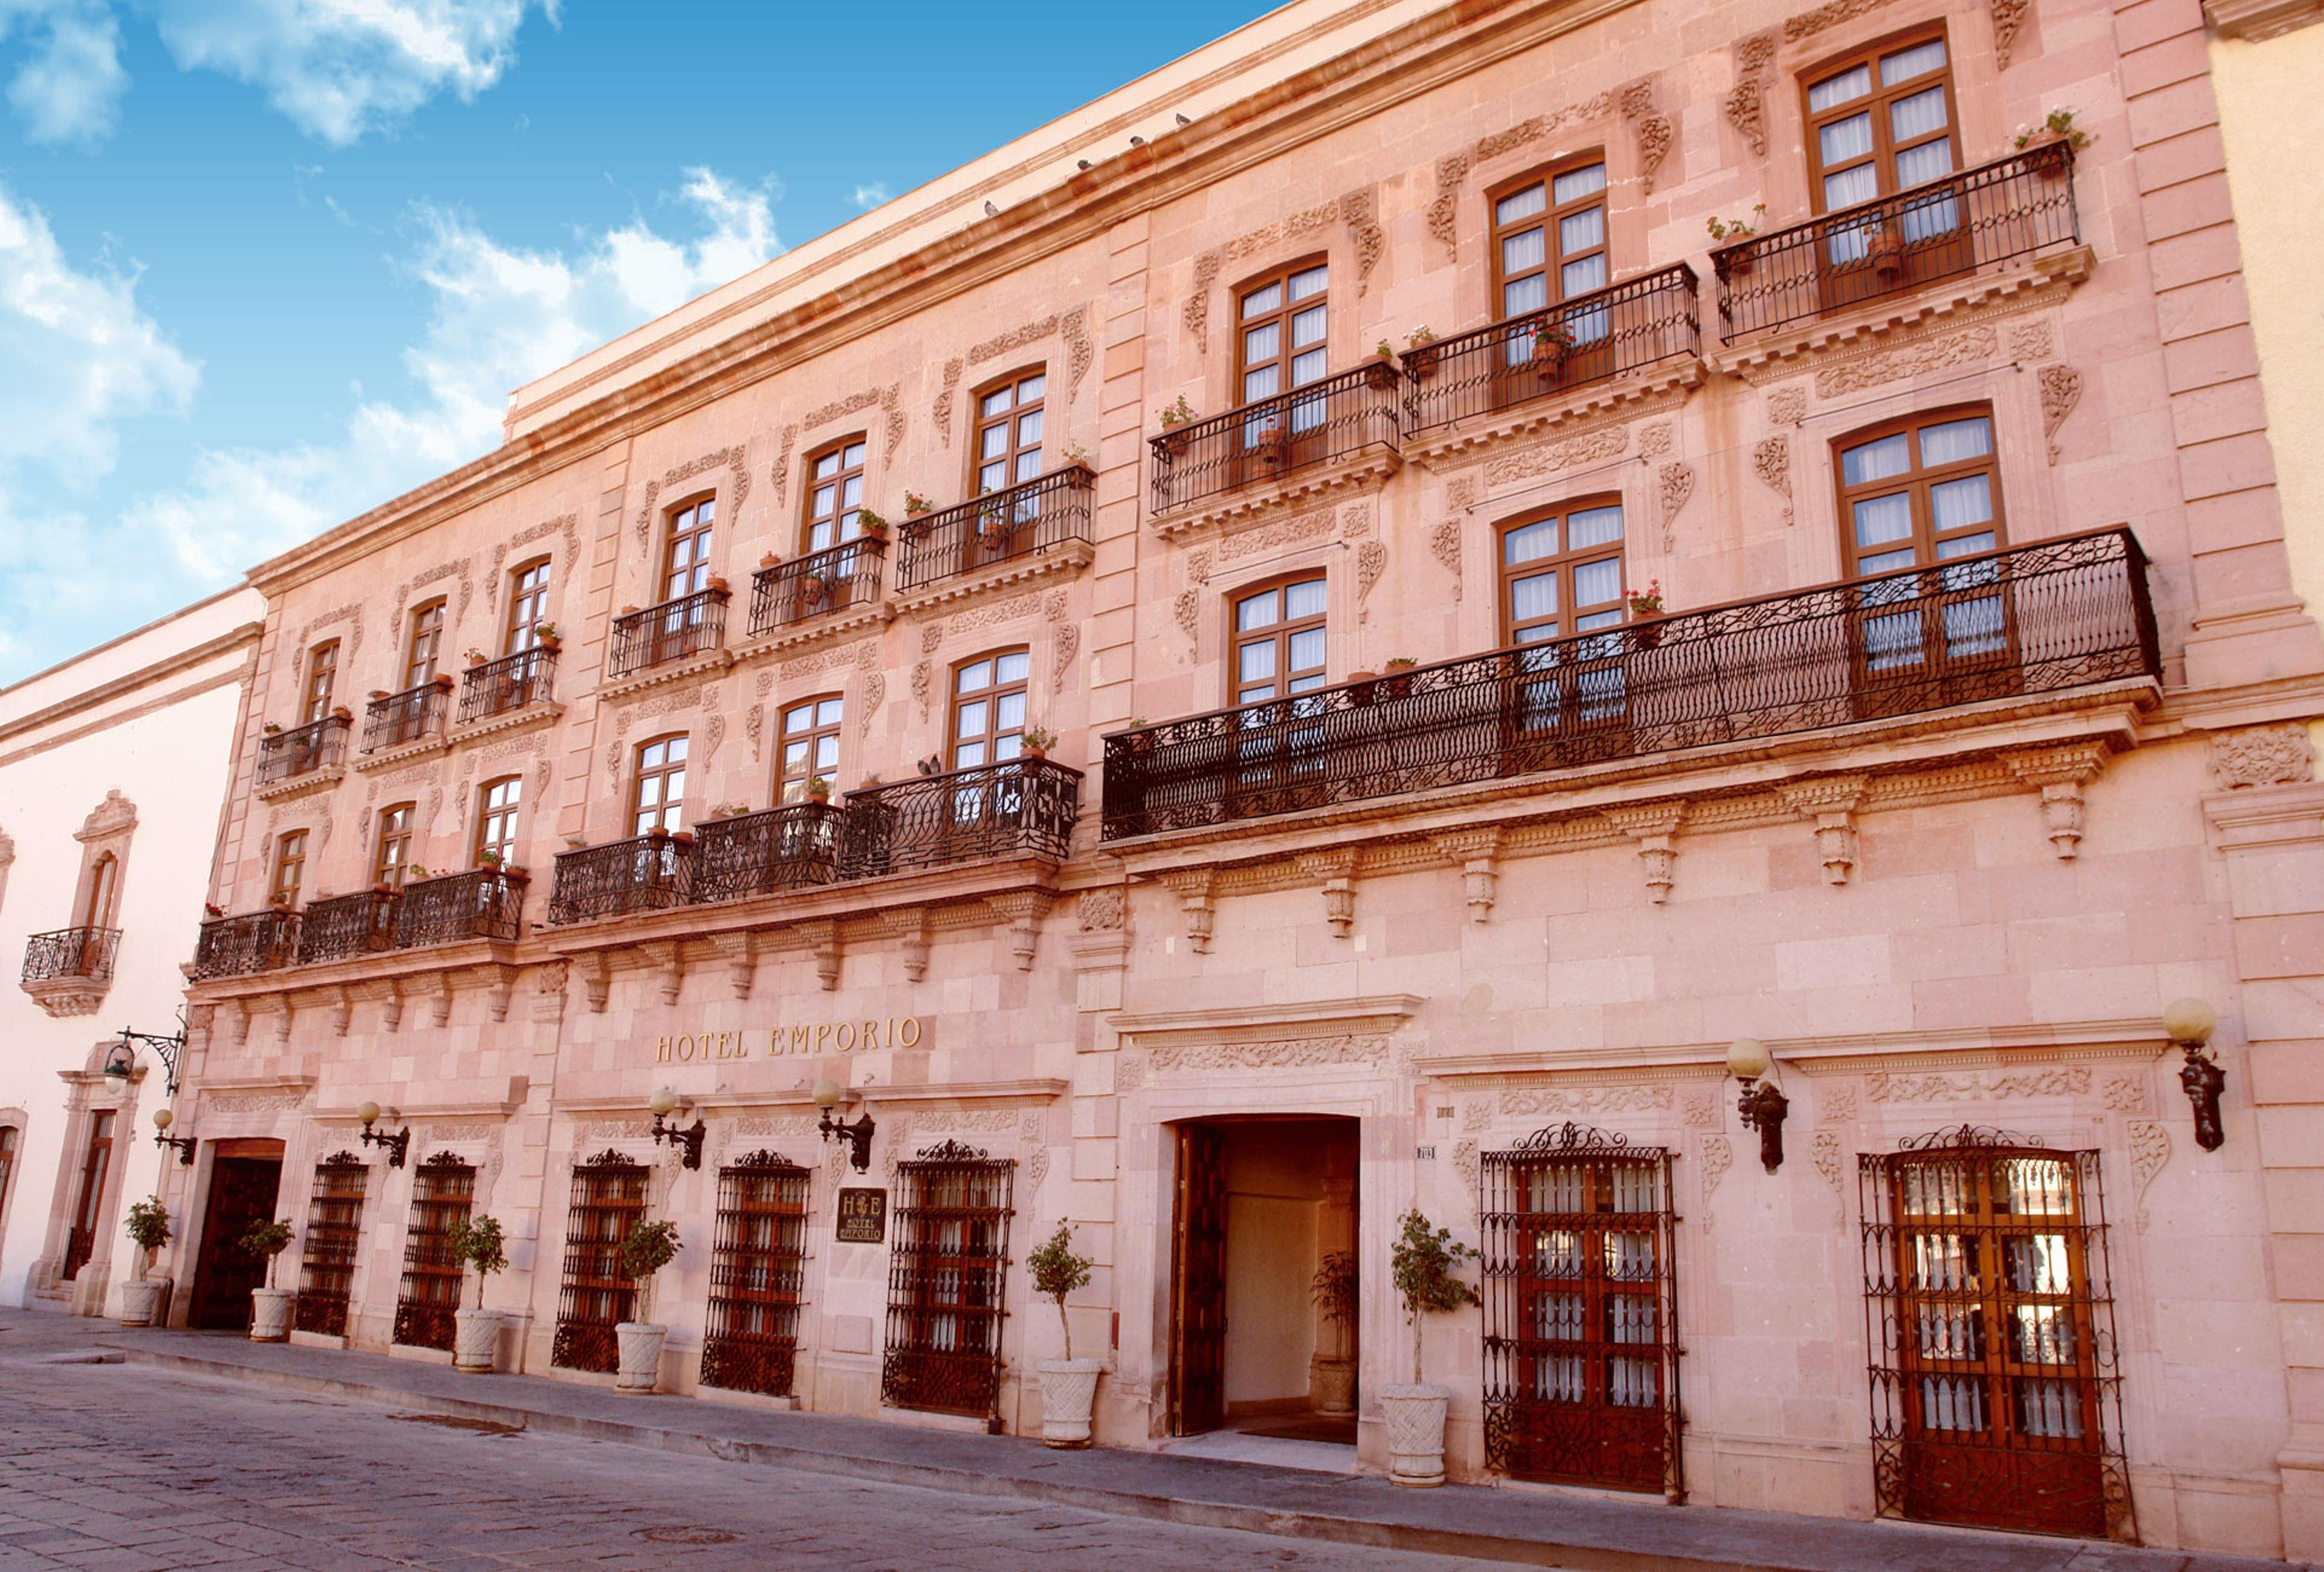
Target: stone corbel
238, 1021
1830, 804
1193, 888
1023, 910
2059, 772
1654, 826
823, 938
1337, 870
390, 1005
500, 989
549, 983
440, 1001
666, 960
740, 951
598, 981
1479, 853
909, 924
283, 1010
342, 1009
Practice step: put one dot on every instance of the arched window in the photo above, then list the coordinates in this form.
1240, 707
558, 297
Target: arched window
1881, 122
810, 745
686, 548
528, 604
1279, 640
658, 796
97, 900
290, 866
1549, 236
423, 643
1281, 330
497, 802
392, 856
988, 707
1562, 571
834, 493
1008, 430
322, 676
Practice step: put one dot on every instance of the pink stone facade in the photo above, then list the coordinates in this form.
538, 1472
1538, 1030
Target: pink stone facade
1969, 908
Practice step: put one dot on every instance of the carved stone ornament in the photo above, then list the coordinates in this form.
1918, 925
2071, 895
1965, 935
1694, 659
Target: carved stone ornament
1655, 133
1444, 212
1284, 1053
1677, 482
1444, 545
2062, 390
1717, 1157
1102, 909
1193, 888
2267, 755
2008, 17
115, 816
2150, 1152
1771, 460
1977, 1085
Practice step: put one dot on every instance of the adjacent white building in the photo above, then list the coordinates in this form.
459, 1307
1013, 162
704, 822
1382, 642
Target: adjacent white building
113, 768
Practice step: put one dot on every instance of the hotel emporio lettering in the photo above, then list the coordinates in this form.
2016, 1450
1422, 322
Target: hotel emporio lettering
811, 1038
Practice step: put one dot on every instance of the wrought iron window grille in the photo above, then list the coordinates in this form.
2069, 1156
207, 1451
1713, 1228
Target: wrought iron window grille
947, 1280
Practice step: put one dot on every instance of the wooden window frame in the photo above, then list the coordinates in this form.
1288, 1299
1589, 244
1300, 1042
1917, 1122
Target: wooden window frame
787, 789
641, 772
1281, 634
290, 854
842, 519
511, 813
1280, 314
100, 1144
1554, 260
323, 667
693, 523
520, 632
1918, 482
1563, 562
100, 889
384, 871
979, 423
1875, 103
423, 645
993, 735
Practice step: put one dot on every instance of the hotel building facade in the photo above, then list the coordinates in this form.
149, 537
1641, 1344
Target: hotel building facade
1301, 643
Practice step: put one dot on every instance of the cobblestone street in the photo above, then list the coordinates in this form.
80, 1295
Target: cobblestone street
120, 1468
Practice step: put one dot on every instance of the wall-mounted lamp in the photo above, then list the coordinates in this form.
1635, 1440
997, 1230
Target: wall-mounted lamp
1761, 1103
397, 1144
163, 1120
121, 1058
665, 1103
2190, 1022
858, 1135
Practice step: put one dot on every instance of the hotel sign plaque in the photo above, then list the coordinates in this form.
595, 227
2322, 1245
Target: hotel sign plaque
863, 1216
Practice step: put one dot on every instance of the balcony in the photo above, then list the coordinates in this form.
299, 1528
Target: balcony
2007, 208
238, 947
344, 926
313, 750
758, 854
843, 576
1642, 322
1003, 526
675, 631
510, 684
2030, 620
1025, 806
394, 720
69, 971
481, 903
1336, 417
646, 873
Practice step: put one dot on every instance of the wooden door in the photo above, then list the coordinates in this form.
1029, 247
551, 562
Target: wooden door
1198, 1285
242, 1191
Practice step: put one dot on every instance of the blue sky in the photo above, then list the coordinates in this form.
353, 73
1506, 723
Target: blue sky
264, 263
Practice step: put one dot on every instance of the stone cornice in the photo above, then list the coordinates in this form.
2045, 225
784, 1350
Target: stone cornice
2254, 20
1839, 1054
1370, 1015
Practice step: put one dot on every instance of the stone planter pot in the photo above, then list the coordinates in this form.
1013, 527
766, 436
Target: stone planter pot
1068, 1394
139, 1295
641, 1363
1416, 1434
1336, 1385
476, 1342
269, 1315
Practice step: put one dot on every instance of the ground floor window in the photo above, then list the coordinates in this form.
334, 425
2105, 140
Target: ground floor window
1581, 1311
326, 1264
442, 1191
609, 1199
946, 1277
756, 1275
1996, 1397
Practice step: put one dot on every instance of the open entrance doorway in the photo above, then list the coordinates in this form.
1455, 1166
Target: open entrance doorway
246, 1177
1265, 1207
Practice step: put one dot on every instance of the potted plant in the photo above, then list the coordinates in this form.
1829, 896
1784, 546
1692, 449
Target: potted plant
476, 1331
1553, 347
548, 636
270, 1307
1037, 742
915, 504
2054, 127
1419, 361
770, 560
993, 526
279, 900
442, 680
486, 857
1397, 680
212, 909
818, 789
1141, 740
649, 1248
1069, 1385
1736, 263
874, 527
475, 657
149, 1229
811, 588
1421, 1263
1381, 372
1362, 687
415, 872
715, 586
1274, 446
1884, 248
273, 728
1176, 420
1647, 610
1334, 1289
730, 810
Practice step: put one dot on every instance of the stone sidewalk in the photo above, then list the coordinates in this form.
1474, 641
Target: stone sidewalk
1523, 1527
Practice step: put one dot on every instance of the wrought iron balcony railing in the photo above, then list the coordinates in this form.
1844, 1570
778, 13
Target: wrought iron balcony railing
1632, 325
1340, 415
1020, 522
2036, 619
509, 684
319, 744
481, 903
646, 873
71, 952
834, 579
757, 853
672, 630
995, 810
393, 719
253, 941
346, 925
2007, 208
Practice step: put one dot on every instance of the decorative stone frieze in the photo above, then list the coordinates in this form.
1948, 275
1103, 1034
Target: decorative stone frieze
2262, 755
740, 951
1976, 1085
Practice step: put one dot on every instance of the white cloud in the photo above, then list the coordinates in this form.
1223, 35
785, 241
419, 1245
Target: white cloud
70, 86
872, 194
338, 69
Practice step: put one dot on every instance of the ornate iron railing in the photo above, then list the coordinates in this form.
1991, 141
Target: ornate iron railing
749, 1339
326, 1258
237, 947
347, 925
948, 1274
320, 745
1339, 415
834, 579
2060, 614
609, 1198
442, 1191
672, 630
996, 810
511, 683
1580, 1302
1637, 323
481, 903
71, 952
1022, 521
1950, 226
646, 873
758, 853
394, 720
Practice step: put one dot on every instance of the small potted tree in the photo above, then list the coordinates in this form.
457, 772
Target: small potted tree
148, 1230
1334, 1291
1421, 1263
1069, 1385
476, 1331
819, 790
649, 1247
1037, 742
270, 1307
